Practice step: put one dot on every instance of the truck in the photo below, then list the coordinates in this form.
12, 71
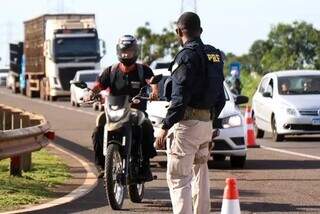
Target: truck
56, 46
15, 67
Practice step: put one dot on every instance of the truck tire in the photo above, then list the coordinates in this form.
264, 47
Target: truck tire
14, 89
52, 98
31, 93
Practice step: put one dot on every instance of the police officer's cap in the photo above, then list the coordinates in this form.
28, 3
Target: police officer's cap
189, 21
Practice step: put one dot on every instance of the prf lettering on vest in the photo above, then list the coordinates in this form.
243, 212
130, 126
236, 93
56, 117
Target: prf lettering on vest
213, 57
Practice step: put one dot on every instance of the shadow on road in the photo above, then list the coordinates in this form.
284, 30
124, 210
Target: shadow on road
302, 139
268, 164
282, 164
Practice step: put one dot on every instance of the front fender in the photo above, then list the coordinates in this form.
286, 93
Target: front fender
101, 119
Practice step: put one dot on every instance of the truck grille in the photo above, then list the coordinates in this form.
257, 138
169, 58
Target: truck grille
67, 74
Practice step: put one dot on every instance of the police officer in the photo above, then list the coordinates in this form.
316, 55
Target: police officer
197, 98
127, 78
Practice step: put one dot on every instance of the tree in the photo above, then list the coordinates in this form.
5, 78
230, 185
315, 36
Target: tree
293, 46
154, 45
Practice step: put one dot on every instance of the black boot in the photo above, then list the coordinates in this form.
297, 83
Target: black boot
146, 174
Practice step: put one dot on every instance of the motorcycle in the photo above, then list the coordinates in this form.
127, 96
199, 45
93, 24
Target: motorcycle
122, 147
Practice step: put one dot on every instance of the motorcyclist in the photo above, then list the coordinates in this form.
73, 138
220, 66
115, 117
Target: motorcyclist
127, 78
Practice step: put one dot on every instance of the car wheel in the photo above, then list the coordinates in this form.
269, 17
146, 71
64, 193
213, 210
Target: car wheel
275, 136
77, 105
237, 161
218, 157
73, 103
258, 132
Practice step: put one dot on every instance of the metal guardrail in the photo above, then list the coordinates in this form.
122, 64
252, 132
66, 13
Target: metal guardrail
20, 134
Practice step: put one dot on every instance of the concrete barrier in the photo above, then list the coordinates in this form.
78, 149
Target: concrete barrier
21, 133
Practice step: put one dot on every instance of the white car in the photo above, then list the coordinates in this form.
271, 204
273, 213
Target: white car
231, 141
89, 77
287, 103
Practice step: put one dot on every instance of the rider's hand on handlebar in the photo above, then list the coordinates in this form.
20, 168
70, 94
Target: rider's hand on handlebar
88, 96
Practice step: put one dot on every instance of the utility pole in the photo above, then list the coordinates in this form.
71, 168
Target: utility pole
9, 26
188, 5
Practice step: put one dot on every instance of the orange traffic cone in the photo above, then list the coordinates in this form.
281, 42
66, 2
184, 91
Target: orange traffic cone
250, 138
230, 202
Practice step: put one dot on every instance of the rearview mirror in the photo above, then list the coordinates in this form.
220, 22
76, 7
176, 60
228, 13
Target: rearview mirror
79, 84
155, 79
240, 99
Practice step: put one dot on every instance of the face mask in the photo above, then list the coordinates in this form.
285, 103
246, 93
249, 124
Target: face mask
128, 62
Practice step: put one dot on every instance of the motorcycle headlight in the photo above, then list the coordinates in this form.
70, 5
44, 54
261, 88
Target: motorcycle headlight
291, 111
116, 115
232, 121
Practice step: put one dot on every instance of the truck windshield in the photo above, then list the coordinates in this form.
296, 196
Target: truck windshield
76, 47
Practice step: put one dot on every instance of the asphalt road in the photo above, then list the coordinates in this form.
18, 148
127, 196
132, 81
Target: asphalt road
284, 180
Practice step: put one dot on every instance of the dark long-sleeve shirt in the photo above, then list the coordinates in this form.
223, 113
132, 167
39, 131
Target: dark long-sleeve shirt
185, 71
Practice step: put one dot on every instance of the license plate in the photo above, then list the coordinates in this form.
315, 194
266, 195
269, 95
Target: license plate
316, 122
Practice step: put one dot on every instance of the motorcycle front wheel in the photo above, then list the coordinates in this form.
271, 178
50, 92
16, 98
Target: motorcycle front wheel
115, 191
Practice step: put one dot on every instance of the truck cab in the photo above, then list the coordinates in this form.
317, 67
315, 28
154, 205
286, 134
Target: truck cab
70, 44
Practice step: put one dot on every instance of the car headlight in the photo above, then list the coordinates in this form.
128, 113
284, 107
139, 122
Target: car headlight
116, 115
291, 111
232, 121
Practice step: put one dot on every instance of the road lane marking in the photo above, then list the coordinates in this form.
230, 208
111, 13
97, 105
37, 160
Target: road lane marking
88, 185
49, 103
291, 153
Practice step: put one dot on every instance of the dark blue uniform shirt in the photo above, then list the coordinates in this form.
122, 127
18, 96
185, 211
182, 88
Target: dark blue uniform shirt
186, 70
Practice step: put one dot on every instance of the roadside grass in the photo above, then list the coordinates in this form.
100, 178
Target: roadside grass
34, 186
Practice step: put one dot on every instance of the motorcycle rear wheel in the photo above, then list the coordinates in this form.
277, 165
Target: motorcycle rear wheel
136, 192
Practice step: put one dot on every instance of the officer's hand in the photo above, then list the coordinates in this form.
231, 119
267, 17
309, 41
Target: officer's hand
161, 139
153, 96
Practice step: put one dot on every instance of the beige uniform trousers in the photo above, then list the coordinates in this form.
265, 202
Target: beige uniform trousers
189, 181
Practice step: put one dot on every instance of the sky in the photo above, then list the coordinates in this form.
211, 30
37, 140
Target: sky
230, 25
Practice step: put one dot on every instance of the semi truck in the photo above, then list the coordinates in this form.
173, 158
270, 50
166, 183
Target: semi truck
56, 46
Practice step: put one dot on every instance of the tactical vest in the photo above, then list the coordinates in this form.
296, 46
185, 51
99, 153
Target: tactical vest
209, 86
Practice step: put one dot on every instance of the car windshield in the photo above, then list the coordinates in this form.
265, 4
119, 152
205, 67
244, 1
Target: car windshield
298, 85
88, 77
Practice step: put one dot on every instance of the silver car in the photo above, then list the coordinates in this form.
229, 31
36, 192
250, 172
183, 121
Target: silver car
287, 103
